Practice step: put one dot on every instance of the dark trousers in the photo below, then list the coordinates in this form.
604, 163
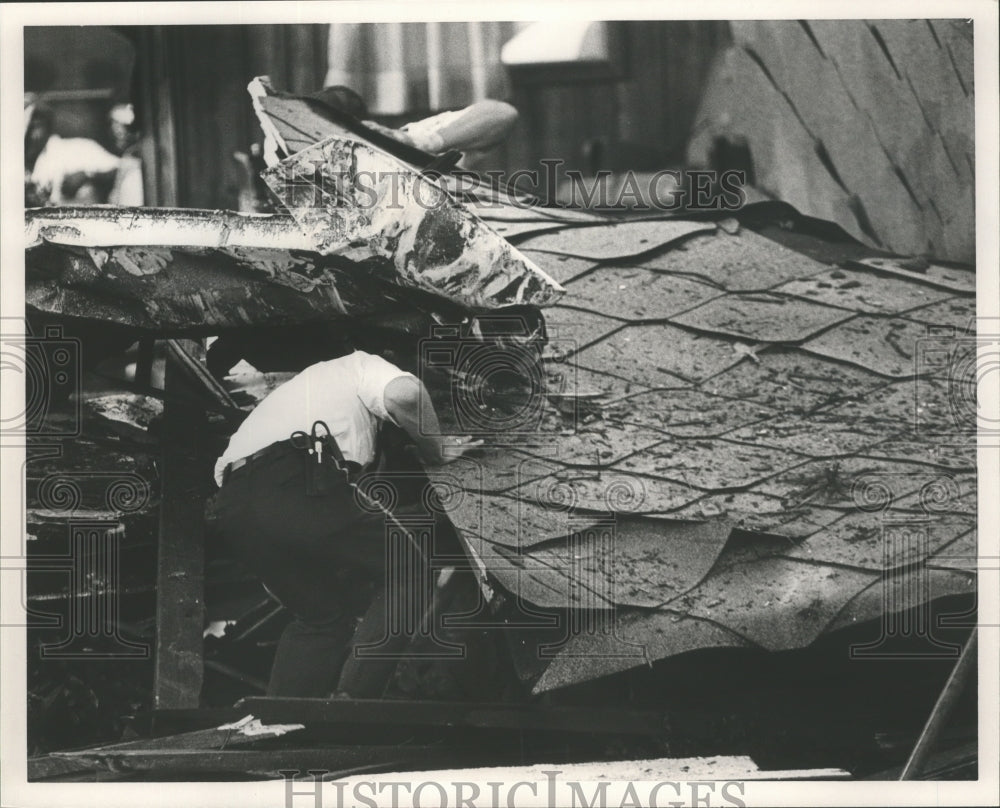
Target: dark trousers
297, 541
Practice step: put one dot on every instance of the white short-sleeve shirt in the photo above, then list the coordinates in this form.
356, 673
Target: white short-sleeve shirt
348, 393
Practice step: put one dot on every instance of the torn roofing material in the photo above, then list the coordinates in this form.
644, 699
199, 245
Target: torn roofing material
363, 204
296, 123
793, 405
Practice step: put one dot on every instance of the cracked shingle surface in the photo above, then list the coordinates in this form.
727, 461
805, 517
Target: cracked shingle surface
790, 403
636, 353
762, 317
863, 291
741, 262
883, 345
633, 293
614, 241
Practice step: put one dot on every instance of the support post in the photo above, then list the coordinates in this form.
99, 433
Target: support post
180, 574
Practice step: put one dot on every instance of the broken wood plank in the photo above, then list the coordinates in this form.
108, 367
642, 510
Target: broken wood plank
715, 768
214, 739
956, 763
455, 714
186, 273
163, 227
265, 763
56, 767
198, 376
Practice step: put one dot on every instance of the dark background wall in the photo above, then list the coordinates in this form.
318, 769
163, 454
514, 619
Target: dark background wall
195, 111
637, 116
869, 124
82, 72
189, 88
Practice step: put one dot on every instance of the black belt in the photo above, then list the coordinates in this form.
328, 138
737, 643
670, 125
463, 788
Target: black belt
275, 449
281, 447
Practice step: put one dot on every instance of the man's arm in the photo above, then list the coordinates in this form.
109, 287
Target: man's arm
478, 127
409, 404
481, 126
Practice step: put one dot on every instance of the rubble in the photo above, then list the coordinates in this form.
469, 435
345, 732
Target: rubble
724, 432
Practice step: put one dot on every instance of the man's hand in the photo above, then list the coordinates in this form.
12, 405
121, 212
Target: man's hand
455, 446
409, 405
395, 134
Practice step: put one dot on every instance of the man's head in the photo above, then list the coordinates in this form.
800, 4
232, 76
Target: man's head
37, 129
121, 123
279, 348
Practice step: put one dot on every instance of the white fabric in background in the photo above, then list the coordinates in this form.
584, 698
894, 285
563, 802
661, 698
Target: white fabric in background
421, 66
63, 157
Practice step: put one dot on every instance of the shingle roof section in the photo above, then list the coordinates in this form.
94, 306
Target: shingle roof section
788, 403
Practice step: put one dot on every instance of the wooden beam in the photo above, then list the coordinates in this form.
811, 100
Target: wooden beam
454, 714
156, 106
180, 577
266, 762
943, 708
198, 376
54, 767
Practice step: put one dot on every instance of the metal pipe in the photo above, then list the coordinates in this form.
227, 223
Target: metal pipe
267, 618
942, 709
233, 673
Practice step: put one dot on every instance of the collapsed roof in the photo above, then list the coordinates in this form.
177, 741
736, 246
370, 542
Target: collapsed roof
735, 444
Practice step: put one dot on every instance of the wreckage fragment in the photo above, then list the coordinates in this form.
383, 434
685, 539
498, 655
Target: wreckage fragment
294, 123
195, 271
354, 201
